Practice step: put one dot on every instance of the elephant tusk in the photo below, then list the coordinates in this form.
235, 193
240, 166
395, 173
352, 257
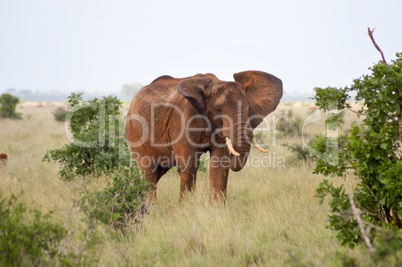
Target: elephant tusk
230, 147
259, 147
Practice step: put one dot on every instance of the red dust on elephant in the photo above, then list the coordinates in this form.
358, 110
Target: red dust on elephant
173, 121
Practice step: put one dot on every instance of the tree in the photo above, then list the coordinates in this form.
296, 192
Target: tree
98, 144
8, 104
370, 152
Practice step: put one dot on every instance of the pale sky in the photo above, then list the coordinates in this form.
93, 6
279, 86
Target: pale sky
95, 45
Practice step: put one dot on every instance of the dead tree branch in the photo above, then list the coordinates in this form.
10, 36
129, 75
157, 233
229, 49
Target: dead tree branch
363, 231
370, 33
356, 112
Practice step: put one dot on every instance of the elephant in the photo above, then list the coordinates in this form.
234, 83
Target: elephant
173, 121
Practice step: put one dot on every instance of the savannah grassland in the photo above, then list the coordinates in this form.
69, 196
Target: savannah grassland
271, 218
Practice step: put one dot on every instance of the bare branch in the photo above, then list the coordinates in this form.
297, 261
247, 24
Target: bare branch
372, 193
363, 231
370, 33
356, 112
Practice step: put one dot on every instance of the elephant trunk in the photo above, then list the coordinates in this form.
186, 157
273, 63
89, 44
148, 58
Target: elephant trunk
242, 139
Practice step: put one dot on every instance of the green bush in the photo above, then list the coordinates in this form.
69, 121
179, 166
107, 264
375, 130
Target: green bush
203, 164
302, 153
371, 153
289, 125
99, 146
29, 238
99, 143
122, 203
60, 114
8, 104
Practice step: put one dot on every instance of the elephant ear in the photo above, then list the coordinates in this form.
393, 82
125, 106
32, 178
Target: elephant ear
193, 90
264, 92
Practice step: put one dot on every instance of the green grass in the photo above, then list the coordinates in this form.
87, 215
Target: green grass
271, 217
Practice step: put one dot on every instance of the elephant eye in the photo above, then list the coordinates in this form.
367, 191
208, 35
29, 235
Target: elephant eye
218, 110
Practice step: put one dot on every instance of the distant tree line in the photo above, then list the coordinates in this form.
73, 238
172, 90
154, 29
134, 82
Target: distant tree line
126, 92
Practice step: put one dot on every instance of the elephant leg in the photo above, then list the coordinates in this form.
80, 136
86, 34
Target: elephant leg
152, 174
187, 182
152, 178
219, 172
147, 164
187, 167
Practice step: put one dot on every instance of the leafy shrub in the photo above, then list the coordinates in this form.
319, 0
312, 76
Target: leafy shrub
289, 125
99, 143
371, 152
8, 104
120, 204
302, 153
204, 164
60, 114
29, 238
388, 243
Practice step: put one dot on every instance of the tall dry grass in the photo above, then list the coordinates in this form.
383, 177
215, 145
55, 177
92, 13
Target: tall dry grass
271, 217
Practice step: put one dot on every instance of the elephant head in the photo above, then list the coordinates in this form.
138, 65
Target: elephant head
234, 108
